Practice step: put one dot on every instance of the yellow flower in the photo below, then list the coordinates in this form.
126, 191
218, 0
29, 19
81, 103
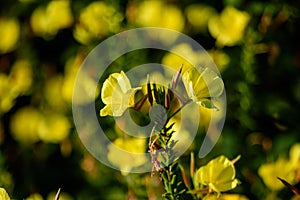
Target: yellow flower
189, 57
54, 128
6, 97
47, 21
198, 15
9, 34
229, 27
24, 125
3, 194
6, 180
186, 58
53, 93
117, 94
295, 160
35, 196
295, 155
202, 84
96, 21
220, 58
226, 197
86, 83
218, 175
30, 125
21, 77
133, 157
270, 171
18, 82
159, 14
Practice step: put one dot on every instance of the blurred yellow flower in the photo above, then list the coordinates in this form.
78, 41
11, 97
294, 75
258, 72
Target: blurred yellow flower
186, 58
189, 57
295, 155
3, 194
225, 197
47, 21
228, 28
29, 125
156, 13
21, 77
220, 58
54, 128
295, 160
54, 94
218, 175
134, 156
71, 68
117, 94
24, 125
6, 180
269, 172
202, 84
18, 82
35, 196
6, 97
198, 16
9, 34
96, 21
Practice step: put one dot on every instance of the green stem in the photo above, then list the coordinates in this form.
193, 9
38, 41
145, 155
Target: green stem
179, 109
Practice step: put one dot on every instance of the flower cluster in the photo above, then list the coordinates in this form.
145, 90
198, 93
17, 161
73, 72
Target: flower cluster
201, 86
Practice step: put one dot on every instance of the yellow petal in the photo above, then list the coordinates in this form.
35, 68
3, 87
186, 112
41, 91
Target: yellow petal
3, 194
202, 83
270, 171
218, 174
107, 110
117, 94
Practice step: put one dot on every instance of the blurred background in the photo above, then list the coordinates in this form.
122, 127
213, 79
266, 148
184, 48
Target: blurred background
255, 45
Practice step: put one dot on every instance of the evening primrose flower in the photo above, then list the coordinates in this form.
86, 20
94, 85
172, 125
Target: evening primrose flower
134, 156
270, 171
35, 196
218, 175
3, 194
202, 84
17, 83
187, 57
21, 77
156, 13
47, 21
54, 128
225, 197
9, 34
24, 125
96, 21
6, 97
295, 155
220, 58
117, 94
198, 16
229, 27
